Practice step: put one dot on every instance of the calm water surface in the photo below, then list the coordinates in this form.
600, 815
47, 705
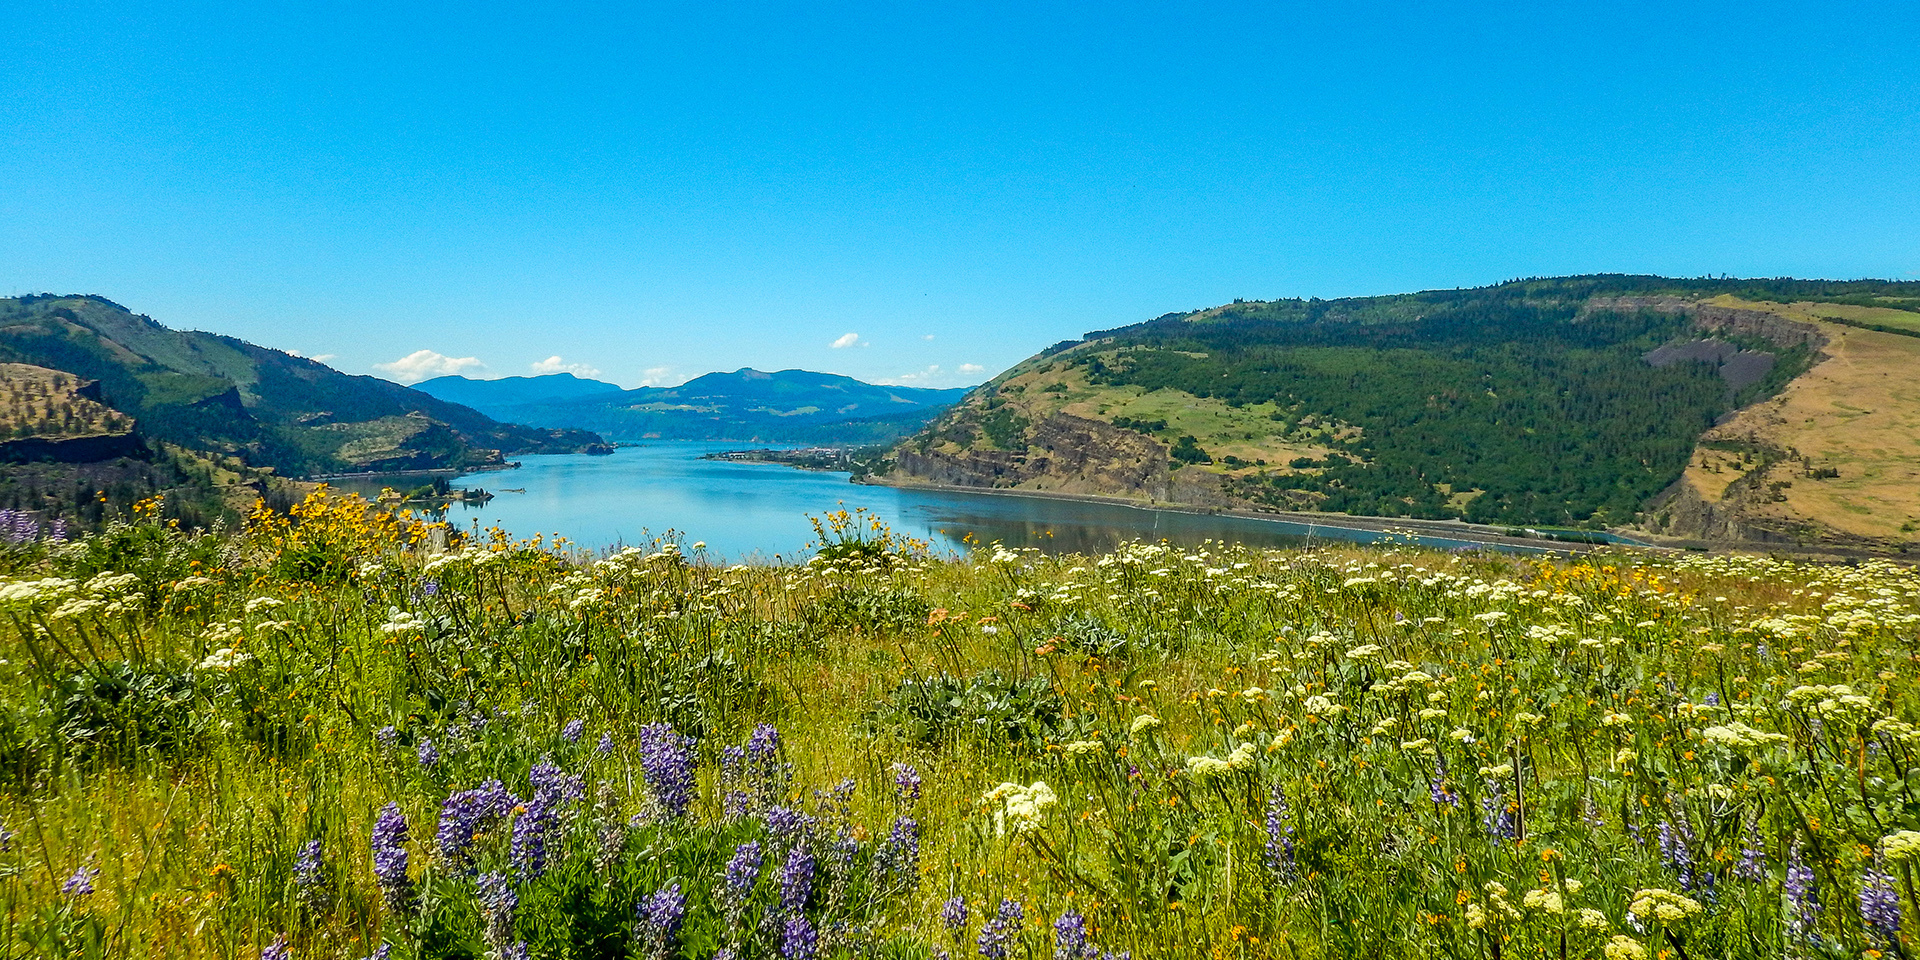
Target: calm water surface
745, 511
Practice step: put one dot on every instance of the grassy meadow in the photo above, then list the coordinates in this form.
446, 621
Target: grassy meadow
341, 734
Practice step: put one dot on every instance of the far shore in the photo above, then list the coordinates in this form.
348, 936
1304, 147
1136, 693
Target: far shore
1448, 529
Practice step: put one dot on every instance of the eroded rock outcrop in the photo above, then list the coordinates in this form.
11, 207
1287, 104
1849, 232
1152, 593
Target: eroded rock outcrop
1712, 318
1064, 453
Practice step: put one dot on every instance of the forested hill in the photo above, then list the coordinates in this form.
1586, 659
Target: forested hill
1566, 401
267, 407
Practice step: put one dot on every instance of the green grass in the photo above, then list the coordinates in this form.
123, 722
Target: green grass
1329, 753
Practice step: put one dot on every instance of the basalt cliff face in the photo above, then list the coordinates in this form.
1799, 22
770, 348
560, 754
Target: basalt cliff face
1062, 454
1711, 318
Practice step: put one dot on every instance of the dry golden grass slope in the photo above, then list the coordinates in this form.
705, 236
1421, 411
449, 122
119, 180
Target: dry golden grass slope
1856, 413
38, 402
1248, 432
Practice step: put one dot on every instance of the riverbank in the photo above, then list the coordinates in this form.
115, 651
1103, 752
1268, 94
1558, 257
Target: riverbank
1468, 533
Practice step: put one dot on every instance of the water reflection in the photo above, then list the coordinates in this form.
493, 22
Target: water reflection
748, 511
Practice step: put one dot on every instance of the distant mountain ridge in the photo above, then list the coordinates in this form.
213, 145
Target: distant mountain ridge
747, 405
224, 395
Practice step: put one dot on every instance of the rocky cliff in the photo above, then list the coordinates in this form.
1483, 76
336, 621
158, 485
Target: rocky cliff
1064, 453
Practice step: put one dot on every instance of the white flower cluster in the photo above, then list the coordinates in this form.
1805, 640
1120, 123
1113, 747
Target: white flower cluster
1904, 845
1663, 905
224, 658
1740, 736
1205, 768
1022, 808
401, 621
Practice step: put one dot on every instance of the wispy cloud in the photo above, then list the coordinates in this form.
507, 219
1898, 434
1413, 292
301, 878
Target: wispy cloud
554, 364
847, 340
937, 376
659, 377
424, 364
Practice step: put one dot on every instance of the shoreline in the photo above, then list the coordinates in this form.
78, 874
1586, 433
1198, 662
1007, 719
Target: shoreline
1440, 529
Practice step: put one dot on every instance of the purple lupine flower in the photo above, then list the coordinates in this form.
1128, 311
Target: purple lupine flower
605, 746
430, 587
18, 527
310, 875
1879, 904
667, 761
429, 756
737, 883
1000, 929
384, 952
1711, 700
799, 941
1752, 866
1676, 851
390, 858
499, 903
573, 731
1070, 938
465, 814
553, 788
546, 777
835, 805
753, 778
736, 802
906, 783
954, 914
81, 883
1803, 900
787, 825
796, 880
660, 917
1496, 818
387, 736
528, 845
1280, 847
6, 837
277, 950
898, 857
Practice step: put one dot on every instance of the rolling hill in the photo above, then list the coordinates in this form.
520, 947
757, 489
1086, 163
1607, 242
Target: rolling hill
1578, 401
794, 406
225, 396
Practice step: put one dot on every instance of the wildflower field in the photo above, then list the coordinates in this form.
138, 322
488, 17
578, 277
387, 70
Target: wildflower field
344, 734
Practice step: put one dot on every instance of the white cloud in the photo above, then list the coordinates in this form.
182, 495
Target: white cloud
659, 377
847, 340
424, 364
926, 336
554, 364
322, 357
919, 379
935, 375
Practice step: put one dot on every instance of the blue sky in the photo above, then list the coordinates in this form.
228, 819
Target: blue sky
652, 191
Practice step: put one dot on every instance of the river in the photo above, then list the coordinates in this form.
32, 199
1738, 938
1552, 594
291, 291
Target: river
751, 511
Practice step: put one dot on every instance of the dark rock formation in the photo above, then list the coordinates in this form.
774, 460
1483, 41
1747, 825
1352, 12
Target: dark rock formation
1063, 453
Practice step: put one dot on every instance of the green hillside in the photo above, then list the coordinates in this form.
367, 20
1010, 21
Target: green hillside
217, 393
1548, 401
